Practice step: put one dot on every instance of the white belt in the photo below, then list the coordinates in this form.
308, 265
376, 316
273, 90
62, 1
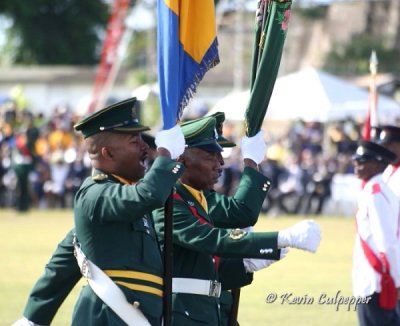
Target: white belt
108, 291
196, 286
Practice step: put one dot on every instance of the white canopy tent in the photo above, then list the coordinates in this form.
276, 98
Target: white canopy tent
311, 95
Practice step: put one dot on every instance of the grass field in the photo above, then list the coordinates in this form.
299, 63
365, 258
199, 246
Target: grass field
27, 242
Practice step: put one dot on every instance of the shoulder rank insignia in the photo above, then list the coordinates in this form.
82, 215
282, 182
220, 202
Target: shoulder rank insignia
237, 234
99, 177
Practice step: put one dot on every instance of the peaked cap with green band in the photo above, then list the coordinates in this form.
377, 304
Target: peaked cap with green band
201, 133
220, 118
120, 117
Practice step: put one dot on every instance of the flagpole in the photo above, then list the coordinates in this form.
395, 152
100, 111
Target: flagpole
235, 307
371, 120
168, 261
373, 67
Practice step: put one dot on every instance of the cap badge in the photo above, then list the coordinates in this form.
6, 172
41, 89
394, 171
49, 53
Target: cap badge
382, 135
360, 151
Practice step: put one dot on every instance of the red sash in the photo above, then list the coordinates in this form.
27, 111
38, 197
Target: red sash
388, 295
193, 210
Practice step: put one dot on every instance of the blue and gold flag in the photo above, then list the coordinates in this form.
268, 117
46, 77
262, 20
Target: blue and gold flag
187, 48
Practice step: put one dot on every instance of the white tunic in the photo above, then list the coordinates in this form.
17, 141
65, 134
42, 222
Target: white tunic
391, 176
377, 223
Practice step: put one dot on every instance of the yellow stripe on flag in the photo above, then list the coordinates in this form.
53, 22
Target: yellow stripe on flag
197, 28
173, 5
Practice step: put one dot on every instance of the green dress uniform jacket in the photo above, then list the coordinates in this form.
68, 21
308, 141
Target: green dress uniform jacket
199, 240
115, 232
59, 278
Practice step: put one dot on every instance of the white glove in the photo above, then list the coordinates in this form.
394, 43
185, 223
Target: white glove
305, 235
254, 264
172, 140
254, 147
24, 322
248, 229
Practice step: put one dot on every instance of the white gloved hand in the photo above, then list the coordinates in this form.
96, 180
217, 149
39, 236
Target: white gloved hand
255, 264
248, 229
254, 147
24, 322
305, 235
172, 140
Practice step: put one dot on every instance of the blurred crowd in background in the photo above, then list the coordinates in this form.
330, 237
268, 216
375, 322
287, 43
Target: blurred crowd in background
43, 162
41, 158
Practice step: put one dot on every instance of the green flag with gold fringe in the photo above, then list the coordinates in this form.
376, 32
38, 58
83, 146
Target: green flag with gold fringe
272, 19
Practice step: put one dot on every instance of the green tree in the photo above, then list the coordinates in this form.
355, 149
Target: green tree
55, 31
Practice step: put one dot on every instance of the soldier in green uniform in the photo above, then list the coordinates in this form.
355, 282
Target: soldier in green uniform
116, 236
206, 240
118, 250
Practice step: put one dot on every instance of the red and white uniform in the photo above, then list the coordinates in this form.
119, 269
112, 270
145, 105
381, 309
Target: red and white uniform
377, 223
391, 176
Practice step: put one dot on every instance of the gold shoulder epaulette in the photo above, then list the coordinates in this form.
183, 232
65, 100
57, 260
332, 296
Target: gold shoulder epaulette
99, 177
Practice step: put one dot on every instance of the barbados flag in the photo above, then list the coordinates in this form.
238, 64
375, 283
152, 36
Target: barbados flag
187, 48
